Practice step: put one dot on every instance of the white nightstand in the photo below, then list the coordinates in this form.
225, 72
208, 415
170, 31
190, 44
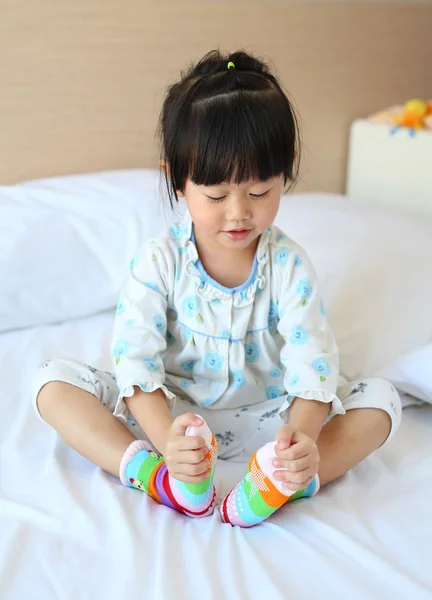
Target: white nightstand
390, 169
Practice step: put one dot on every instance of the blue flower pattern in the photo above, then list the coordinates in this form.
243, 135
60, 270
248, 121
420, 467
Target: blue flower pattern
281, 256
159, 322
187, 366
299, 336
190, 306
294, 380
297, 261
275, 373
323, 368
121, 347
152, 365
212, 361
238, 379
304, 289
274, 391
121, 308
177, 232
252, 352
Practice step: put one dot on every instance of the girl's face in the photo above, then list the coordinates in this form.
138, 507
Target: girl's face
233, 215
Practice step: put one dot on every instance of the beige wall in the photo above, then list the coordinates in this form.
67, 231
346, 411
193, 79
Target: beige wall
83, 81
362, 1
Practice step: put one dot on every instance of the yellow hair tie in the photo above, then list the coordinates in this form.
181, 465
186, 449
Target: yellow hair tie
230, 64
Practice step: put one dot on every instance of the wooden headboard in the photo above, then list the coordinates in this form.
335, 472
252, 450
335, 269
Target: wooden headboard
82, 82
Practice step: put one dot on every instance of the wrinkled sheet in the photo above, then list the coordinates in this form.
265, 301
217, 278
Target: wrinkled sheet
69, 531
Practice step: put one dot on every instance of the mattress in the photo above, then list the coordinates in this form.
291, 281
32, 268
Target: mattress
70, 531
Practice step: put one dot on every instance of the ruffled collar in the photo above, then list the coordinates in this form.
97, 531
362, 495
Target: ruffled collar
208, 288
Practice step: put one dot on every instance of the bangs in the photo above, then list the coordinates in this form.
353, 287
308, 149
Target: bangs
237, 137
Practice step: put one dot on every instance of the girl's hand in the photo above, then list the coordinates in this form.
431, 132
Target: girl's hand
298, 453
184, 455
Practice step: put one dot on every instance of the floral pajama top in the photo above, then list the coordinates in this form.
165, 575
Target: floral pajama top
223, 348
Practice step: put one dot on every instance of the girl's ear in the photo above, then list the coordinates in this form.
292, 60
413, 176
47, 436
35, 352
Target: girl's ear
164, 165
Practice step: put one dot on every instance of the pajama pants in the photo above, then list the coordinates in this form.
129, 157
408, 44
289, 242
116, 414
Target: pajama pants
240, 431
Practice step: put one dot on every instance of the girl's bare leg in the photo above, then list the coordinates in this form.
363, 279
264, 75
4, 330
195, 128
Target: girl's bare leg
347, 439
85, 424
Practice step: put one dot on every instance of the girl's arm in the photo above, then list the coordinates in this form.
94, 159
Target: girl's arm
151, 411
139, 342
309, 354
308, 416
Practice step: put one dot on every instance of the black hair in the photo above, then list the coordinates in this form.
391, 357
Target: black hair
221, 124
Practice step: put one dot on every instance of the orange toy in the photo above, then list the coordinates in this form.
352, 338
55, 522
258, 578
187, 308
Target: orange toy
414, 116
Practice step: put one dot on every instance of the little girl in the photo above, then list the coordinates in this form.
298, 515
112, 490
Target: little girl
221, 336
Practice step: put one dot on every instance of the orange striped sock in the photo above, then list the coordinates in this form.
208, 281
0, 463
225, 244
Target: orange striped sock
259, 494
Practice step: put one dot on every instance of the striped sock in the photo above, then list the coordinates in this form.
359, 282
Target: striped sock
145, 470
259, 495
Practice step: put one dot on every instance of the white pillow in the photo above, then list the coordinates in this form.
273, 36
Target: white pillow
375, 269
412, 373
65, 242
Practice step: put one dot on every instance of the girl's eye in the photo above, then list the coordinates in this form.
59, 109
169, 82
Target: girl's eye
219, 199
215, 199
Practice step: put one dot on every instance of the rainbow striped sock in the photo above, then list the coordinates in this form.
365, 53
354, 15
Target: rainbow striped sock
259, 495
145, 470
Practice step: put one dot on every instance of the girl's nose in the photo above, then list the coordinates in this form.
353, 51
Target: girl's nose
238, 209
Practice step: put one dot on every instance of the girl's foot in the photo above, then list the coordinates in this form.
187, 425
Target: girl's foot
145, 470
259, 494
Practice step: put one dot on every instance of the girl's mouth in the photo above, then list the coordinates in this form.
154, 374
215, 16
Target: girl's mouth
238, 234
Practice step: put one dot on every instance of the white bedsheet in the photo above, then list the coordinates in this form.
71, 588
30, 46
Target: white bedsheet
69, 531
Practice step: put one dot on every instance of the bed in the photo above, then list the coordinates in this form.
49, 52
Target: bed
69, 530
81, 89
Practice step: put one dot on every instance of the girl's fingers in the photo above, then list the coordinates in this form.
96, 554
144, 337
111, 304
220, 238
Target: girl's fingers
299, 450
295, 487
295, 465
182, 422
299, 478
195, 469
193, 442
191, 457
